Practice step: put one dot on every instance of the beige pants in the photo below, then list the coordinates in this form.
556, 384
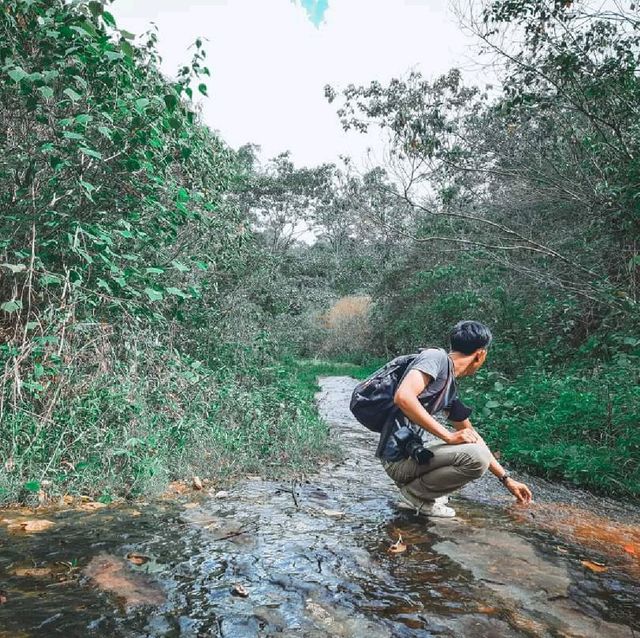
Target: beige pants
451, 467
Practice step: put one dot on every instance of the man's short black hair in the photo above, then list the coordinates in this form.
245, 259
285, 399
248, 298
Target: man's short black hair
469, 336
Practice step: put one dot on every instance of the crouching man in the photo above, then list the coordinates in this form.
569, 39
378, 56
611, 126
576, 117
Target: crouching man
426, 473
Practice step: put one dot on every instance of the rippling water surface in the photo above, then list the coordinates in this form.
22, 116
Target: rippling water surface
312, 559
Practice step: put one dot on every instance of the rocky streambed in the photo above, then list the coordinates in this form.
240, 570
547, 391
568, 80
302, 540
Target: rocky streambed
315, 559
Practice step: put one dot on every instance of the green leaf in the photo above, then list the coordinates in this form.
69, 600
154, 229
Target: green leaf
46, 91
179, 266
105, 498
17, 74
141, 104
202, 88
86, 28
90, 152
11, 306
492, 404
72, 95
96, 8
104, 285
127, 49
171, 101
32, 486
14, 268
154, 295
108, 19
113, 55
49, 279
177, 292
70, 135
154, 271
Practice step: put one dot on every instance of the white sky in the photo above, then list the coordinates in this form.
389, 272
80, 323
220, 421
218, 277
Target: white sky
269, 63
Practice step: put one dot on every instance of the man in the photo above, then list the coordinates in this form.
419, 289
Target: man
460, 456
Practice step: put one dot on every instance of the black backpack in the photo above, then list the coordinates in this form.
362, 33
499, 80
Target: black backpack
372, 399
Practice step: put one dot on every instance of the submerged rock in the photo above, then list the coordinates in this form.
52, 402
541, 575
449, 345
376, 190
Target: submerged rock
112, 575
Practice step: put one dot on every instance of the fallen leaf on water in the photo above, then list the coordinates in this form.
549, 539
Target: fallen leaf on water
398, 547
91, 506
32, 572
630, 549
239, 590
137, 559
333, 513
594, 566
30, 526
197, 483
483, 609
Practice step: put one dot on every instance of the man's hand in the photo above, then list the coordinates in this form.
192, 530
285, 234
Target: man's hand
519, 490
467, 435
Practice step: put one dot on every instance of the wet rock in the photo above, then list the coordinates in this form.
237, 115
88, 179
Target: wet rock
512, 568
339, 623
476, 626
112, 575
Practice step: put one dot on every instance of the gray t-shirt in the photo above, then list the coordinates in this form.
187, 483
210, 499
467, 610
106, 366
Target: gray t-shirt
436, 363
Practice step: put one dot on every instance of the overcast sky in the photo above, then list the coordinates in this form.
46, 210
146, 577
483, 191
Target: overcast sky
270, 60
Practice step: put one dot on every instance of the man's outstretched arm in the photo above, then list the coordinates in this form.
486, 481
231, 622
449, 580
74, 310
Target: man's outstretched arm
519, 490
406, 398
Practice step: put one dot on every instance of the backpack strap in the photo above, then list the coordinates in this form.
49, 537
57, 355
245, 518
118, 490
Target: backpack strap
394, 413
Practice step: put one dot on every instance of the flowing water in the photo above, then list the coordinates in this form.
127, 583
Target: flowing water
312, 559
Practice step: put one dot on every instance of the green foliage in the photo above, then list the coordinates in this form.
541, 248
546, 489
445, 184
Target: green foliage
131, 353
131, 430
572, 421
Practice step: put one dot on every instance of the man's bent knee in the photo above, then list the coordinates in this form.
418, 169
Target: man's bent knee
476, 459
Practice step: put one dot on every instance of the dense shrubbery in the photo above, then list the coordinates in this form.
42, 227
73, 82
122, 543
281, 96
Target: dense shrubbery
134, 345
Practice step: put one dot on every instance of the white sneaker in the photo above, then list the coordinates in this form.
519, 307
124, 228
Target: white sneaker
441, 510
437, 508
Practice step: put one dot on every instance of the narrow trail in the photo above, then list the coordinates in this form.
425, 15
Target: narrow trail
314, 560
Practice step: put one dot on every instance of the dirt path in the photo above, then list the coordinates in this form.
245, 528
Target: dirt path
314, 560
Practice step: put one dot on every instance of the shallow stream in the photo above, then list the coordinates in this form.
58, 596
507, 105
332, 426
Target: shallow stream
313, 559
